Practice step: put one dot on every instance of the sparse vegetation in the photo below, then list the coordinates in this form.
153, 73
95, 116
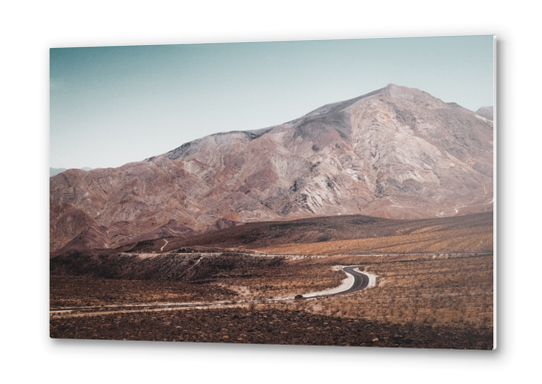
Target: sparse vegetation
427, 299
425, 240
270, 326
453, 292
74, 291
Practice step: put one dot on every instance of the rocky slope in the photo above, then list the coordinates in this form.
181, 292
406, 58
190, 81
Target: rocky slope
394, 153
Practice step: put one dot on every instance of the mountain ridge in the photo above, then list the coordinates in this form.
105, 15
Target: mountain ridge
396, 152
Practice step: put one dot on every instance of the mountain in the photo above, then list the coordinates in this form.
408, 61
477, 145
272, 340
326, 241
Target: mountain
486, 112
395, 153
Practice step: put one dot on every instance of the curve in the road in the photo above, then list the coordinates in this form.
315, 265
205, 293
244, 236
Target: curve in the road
162, 249
361, 281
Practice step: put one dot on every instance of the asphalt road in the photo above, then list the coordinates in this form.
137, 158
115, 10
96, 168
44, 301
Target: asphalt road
361, 280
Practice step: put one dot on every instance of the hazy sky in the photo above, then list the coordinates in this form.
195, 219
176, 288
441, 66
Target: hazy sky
114, 105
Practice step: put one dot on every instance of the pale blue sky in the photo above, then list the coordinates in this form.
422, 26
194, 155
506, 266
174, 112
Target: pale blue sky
114, 105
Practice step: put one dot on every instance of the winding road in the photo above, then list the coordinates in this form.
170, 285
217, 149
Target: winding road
162, 249
361, 281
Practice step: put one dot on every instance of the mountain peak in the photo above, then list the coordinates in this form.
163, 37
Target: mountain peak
390, 90
391, 86
396, 152
402, 92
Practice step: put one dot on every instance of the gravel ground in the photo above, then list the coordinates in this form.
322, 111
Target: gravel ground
265, 327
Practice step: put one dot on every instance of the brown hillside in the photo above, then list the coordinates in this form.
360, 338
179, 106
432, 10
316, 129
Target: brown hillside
395, 153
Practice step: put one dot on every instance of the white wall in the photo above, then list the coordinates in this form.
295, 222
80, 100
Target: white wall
28, 29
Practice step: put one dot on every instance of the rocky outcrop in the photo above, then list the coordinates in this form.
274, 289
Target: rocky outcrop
394, 153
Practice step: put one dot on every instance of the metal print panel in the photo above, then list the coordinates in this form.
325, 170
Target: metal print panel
308, 192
